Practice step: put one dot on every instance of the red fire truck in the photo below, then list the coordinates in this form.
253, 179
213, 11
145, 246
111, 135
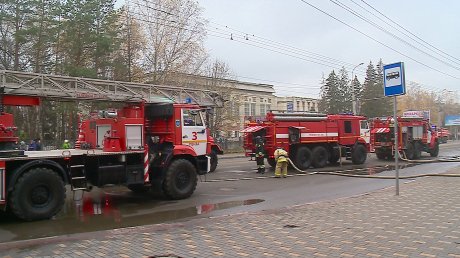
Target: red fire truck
311, 139
443, 135
414, 136
151, 143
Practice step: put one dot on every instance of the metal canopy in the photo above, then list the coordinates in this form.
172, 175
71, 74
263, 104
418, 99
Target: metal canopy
381, 130
75, 88
252, 129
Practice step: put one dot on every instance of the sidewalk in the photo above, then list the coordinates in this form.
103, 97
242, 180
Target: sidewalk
424, 221
232, 155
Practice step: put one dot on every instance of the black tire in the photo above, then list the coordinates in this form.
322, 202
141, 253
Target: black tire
417, 150
435, 151
381, 155
303, 158
359, 154
335, 156
38, 194
271, 162
214, 161
138, 188
410, 151
320, 156
180, 180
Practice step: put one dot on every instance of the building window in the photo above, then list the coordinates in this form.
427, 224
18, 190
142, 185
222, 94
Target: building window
235, 109
253, 109
254, 99
263, 110
303, 105
269, 100
268, 107
261, 100
246, 109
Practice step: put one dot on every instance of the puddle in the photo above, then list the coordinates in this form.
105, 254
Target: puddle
100, 210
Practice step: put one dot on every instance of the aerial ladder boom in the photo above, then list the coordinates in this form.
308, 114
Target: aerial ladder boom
77, 88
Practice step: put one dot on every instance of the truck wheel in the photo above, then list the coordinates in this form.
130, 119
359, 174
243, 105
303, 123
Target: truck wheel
38, 194
139, 188
417, 150
410, 152
303, 158
271, 162
180, 179
359, 154
381, 155
435, 151
214, 161
335, 156
319, 157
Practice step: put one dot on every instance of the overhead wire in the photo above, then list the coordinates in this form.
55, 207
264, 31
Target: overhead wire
277, 47
377, 41
244, 37
350, 10
249, 36
417, 37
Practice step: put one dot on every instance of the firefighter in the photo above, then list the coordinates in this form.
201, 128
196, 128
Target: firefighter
260, 157
66, 144
281, 157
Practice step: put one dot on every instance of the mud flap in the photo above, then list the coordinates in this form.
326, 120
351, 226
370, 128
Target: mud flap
203, 165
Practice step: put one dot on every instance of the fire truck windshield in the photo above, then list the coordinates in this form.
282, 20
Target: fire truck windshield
192, 117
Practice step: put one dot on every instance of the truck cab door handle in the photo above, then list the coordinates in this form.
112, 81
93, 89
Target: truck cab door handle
202, 131
185, 136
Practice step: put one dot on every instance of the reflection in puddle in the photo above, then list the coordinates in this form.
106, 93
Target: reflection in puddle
100, 210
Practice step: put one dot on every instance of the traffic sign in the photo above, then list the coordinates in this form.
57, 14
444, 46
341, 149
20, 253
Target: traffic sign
290, 106
394, 80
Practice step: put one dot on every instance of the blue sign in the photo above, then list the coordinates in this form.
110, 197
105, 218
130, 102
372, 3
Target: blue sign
452, 120
290, 107
394, 80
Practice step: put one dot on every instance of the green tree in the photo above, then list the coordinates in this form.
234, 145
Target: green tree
331, 94
88, 40
41, 32
345, 92
15, 15
373, 102
127, 61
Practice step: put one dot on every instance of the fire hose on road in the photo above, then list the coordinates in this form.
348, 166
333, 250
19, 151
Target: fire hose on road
371, 176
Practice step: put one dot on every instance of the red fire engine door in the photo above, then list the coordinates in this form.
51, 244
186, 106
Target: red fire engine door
194, 130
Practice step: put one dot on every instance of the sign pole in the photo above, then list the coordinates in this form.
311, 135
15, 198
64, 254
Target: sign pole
395, 117
394, 84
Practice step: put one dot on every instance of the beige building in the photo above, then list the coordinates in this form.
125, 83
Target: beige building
244, 101
295, 104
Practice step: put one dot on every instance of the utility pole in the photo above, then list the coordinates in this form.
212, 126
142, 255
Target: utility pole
353, 95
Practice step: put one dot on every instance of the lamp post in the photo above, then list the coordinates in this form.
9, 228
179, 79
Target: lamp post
353, 96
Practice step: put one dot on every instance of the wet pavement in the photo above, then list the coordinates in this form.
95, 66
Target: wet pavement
118, 207
423, 221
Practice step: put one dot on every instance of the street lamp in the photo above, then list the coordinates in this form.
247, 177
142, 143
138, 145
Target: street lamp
353, 96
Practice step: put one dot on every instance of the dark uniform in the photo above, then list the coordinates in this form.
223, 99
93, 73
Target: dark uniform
260, 155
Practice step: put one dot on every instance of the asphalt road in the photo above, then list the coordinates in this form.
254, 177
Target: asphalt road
233, 188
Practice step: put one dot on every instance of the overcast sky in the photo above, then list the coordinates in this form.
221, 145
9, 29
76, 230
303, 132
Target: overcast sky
294, 23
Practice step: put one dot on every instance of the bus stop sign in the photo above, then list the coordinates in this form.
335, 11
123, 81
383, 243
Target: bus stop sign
393, 79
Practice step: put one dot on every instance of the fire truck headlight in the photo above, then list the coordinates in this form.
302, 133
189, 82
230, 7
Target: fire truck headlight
155, 139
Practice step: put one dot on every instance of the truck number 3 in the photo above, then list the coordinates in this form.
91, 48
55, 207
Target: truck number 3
194, 135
